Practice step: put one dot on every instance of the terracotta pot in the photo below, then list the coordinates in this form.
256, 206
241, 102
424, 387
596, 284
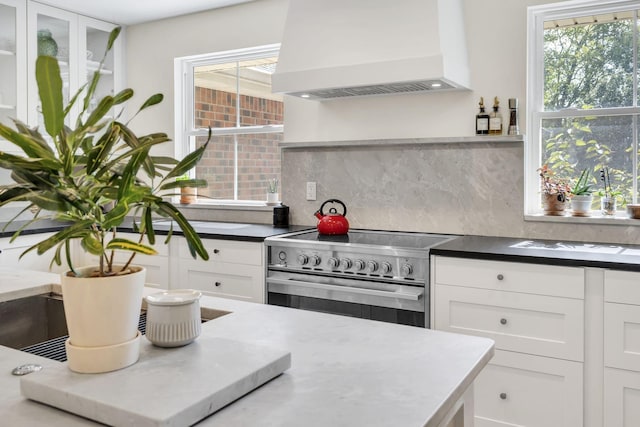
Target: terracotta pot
188, 195
554, 204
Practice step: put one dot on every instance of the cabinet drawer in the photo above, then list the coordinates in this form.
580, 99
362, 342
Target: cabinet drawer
510, 276
522, 390
227, 251
622, 336
621, 398
535, 324
223, 280
622, 287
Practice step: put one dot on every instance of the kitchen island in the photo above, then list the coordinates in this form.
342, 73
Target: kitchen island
345, 371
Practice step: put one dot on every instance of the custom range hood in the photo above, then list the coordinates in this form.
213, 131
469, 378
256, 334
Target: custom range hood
341, 48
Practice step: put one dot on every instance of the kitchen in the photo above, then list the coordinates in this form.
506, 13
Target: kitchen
459, 188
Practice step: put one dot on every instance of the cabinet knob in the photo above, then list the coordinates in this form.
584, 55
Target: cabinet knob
500, 277
218, 283
216, 251
503, 396
503, 321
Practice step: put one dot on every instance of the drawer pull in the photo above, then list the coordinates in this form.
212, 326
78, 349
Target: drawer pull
218, 283
503, 321
216, 251
503, 396
500, 277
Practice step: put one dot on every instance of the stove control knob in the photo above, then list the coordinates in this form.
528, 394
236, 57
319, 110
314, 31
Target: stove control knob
407, 269
315, 260
346, 263
282, 256
373, 266
333, 262
360, 265
303, 259
386, 268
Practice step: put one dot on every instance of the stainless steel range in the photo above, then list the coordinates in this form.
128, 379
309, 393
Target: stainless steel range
378, 275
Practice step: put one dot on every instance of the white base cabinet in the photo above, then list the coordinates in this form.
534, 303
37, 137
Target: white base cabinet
567, 340
10, 254
234, 270
535, 315
518, 389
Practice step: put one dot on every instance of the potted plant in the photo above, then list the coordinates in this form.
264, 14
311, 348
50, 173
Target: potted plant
555, 192
608, 196
272, 191
581, 197
94, 176
188, 195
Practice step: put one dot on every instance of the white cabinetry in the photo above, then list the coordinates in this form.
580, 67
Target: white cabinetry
235, 269
10, 253
81, 43
621, 349
535, 314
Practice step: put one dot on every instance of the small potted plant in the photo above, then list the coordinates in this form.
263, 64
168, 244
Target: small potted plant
555, 192
608, 200
188, 195
272, 191
581, 197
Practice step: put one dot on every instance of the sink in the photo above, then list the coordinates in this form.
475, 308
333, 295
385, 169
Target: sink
208, 225
37, 324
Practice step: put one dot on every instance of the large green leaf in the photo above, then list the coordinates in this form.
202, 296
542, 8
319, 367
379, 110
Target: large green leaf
30, 145
193, 240
50, 91
128, 245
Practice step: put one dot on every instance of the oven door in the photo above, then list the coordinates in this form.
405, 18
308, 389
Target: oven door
388, 302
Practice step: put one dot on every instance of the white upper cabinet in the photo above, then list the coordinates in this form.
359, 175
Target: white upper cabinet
79, 44
13, 64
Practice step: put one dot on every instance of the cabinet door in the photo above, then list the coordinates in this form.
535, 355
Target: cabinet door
13, 67
63, 27
622, 336
534, 324
10, 254
521, 390
621, 398
235, 281
92, 42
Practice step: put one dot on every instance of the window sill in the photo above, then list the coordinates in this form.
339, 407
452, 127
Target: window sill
257, 206
620, 218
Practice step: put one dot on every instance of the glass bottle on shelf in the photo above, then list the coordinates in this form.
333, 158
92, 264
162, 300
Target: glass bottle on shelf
495, 119
482, 120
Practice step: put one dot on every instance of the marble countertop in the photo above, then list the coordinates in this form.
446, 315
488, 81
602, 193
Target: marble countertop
345, 371
206, 229
552, 252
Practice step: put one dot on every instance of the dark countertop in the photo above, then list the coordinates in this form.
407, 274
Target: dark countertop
567, 253
206, 230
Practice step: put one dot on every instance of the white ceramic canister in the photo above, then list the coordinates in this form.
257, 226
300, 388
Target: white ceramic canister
173, 317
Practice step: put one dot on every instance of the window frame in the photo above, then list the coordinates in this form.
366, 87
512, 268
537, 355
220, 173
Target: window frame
185, 102
536, 17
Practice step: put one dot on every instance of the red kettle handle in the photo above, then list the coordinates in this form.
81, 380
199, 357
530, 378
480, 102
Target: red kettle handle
344, 208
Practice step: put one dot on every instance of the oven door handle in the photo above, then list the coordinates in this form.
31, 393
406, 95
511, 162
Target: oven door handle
406, 292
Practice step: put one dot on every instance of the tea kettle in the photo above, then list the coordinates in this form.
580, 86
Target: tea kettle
333, 222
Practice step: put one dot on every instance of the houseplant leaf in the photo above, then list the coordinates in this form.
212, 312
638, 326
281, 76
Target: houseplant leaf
50, 91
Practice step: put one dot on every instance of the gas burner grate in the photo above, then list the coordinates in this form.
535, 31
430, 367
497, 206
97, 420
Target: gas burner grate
54, 348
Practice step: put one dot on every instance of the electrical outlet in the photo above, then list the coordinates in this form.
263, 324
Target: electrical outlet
311, 190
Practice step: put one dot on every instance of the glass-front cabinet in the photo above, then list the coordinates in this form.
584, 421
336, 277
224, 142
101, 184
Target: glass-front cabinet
13, 63
79, 44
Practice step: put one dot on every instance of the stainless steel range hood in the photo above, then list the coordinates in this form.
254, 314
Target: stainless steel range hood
340, 48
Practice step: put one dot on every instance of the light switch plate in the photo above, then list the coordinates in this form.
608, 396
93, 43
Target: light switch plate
311, 190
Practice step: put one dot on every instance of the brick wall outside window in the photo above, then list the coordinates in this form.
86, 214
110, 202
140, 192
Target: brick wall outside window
258, 154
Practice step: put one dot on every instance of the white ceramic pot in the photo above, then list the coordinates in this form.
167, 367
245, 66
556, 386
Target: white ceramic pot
173, 317
102, 316
272, 198
581, 205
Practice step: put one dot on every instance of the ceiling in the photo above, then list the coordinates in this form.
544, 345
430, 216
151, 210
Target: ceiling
128, 12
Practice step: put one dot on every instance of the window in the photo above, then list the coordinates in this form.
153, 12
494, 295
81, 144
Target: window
230, 92
583, 110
